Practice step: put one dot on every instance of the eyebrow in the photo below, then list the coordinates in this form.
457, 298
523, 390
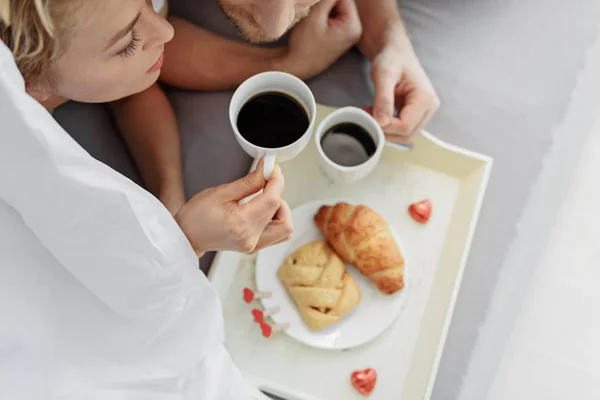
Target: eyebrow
119, 35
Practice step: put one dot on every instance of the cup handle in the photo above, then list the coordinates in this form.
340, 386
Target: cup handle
399, 146
268, 166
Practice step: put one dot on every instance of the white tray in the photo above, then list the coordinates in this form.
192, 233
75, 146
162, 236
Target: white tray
407, 355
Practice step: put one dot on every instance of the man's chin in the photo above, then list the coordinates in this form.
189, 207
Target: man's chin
259, 37
253, 33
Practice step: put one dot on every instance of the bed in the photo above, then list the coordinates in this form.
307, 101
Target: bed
507, 74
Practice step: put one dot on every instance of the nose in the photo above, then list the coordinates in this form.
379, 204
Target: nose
274, 17
159, 32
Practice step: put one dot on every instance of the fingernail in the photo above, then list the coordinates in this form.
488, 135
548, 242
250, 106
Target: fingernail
276, 170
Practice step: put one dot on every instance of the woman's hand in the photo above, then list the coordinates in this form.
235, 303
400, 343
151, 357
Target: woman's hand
214, 220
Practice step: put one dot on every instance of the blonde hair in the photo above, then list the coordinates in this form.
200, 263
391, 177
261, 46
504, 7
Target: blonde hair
29, 28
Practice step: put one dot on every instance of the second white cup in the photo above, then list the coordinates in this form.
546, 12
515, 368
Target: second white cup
376, 140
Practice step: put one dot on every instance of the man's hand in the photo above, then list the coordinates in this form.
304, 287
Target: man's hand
401, 85
330, 30
214, 220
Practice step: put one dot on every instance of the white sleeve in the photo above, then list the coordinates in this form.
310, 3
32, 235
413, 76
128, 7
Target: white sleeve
94, 221
122, 246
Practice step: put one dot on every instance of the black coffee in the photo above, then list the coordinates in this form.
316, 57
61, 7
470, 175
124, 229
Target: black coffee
348, 144
272, 120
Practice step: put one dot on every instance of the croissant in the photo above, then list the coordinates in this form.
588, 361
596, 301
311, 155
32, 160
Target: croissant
361, 237
319, 284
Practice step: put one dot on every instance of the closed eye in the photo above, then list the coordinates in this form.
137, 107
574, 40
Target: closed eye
132, 47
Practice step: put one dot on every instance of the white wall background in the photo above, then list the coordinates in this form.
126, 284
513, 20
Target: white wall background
541, 339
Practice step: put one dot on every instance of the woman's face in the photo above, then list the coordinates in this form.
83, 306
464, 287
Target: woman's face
115, 49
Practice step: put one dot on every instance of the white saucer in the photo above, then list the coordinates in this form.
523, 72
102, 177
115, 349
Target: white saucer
370, 318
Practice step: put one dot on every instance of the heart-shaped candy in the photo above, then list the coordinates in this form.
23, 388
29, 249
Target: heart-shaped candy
364, 381
259, 315
420, 211
267, 330
248, 295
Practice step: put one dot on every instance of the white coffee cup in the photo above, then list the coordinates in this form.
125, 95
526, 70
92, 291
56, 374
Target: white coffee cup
345, 174
273, 82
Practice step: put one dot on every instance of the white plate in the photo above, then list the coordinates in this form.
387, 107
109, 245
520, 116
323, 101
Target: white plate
370, 318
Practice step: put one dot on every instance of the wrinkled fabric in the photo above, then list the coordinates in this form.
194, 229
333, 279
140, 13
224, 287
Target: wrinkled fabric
100, 292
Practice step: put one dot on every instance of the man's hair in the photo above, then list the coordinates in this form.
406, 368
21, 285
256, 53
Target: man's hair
29, 29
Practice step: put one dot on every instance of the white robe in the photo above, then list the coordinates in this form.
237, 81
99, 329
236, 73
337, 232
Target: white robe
100, 292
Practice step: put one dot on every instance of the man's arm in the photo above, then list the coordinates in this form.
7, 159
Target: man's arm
400, 81
381, 22
198, 59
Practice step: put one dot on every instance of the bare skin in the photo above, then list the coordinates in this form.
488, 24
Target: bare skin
114, 53
400, 82
147, 120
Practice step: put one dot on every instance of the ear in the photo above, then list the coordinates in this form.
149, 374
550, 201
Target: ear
39, 95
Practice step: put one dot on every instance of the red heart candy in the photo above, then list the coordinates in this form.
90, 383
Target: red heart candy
364, 381
420, 211
266, 330
248, 295
259, 316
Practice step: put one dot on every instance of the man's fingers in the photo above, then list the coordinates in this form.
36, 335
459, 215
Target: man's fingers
246, 186
344, 17
418, 106
345, 9
397, 132
383, 103
323, 8
412, 115
424, 122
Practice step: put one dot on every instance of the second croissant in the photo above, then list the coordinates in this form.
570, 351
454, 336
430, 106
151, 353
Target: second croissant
361, 237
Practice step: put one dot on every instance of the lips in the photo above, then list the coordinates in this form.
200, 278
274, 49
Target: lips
158, 64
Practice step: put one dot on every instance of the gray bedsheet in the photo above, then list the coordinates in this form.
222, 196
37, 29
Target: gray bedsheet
504, 71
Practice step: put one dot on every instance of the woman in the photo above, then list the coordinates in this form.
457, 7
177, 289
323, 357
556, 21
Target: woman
105, 299
81, 51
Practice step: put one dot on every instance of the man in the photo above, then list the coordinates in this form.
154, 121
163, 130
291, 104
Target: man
399, 80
